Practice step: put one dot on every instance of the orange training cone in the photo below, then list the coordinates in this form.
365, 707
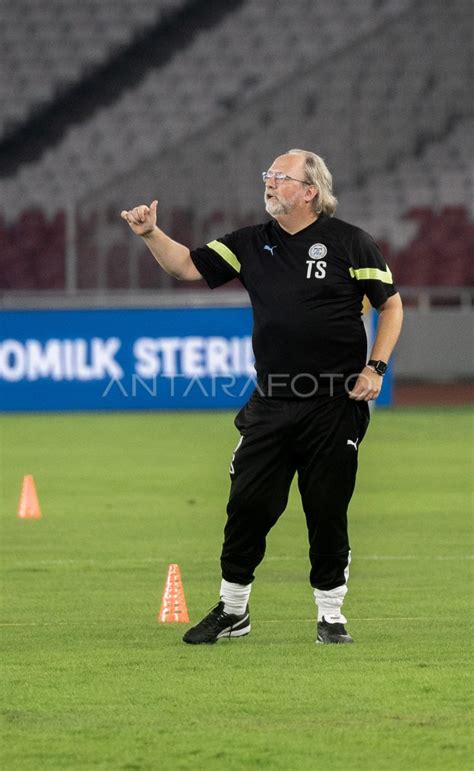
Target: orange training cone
173, 604
29, 507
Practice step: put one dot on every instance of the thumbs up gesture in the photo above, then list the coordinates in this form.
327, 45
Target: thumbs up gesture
142, 219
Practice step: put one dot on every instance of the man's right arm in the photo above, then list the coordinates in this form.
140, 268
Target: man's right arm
173, 257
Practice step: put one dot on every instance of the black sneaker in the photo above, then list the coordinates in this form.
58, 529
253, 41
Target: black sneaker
332, 633
218, 624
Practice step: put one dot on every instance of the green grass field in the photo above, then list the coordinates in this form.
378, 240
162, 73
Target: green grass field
92, 681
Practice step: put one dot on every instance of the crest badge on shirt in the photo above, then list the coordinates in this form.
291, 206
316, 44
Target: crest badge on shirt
317, 251
316, 265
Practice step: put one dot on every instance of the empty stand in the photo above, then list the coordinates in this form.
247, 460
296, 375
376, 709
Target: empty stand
379, 89
48, 45
205, 83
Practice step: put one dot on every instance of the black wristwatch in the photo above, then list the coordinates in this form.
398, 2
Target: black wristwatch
379, 366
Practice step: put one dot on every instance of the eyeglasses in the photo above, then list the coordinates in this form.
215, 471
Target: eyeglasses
280, 176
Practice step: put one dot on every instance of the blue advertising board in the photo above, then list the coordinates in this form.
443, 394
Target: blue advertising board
179, 358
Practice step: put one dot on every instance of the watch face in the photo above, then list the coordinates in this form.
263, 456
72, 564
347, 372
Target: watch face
379, 366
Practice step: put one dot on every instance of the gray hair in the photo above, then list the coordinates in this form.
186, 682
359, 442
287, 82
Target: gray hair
318, 174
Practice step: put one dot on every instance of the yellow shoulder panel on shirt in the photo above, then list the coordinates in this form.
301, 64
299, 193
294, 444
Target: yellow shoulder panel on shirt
362, 274
226, 254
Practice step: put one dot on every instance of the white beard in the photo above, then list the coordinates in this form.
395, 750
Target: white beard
275, 208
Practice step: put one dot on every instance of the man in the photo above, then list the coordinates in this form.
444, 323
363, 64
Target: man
306, 273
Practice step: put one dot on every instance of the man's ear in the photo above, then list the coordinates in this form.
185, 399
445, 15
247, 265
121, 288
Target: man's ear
311, 193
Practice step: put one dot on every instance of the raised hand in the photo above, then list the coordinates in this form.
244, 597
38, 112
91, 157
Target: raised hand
142, 219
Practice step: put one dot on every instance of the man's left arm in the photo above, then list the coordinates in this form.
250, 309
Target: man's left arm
369, 383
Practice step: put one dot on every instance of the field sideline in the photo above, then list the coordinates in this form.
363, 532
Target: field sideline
92, 681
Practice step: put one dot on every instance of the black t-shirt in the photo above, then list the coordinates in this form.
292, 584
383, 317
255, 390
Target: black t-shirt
306, 291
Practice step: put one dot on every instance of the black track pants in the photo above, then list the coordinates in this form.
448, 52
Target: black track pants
319, 440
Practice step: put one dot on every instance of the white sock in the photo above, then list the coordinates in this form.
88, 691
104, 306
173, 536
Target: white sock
235, 597
330, 603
